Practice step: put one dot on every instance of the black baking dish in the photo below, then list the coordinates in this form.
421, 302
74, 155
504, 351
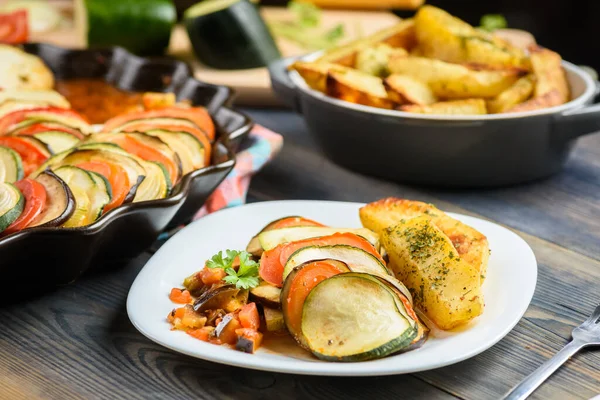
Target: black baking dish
61, 255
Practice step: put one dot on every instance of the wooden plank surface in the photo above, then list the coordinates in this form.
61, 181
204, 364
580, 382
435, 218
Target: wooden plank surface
77, 342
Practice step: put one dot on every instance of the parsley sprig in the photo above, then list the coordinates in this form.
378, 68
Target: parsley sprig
246, 277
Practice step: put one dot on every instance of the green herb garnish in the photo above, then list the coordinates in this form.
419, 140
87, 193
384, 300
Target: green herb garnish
246, 277
491, 22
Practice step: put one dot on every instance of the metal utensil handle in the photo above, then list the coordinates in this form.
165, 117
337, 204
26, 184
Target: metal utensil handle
525, 388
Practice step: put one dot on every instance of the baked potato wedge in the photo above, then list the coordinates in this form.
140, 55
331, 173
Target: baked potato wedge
375, 60
549, 73
401, 35
445, 37
444, 287
546, 100
514, 95
454, 81
455, 107
23, 71
315, 73
359, 88
471, 245
404, 89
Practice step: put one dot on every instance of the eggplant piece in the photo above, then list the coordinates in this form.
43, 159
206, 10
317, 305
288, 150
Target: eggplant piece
254, 247
226, 297
273, 320
248, 340
60, 202
267, 295
133, 190
225, 331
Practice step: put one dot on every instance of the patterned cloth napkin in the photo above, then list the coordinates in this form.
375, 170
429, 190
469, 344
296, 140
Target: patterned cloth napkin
261, 146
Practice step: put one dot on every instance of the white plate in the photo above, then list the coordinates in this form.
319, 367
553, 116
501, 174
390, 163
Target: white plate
508, 289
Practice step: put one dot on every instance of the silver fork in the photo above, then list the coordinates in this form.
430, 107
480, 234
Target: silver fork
586, 334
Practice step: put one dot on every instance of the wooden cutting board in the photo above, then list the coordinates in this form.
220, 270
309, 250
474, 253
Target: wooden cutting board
253, 86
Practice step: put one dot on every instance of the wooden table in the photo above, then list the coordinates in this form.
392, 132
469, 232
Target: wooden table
77, 341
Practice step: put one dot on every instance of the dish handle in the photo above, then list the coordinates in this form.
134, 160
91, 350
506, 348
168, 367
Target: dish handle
580, 121
282, 84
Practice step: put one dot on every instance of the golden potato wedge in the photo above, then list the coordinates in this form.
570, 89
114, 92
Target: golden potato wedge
407, 90
514, 95
20, 70
444, 287
374, 60
549, 73
445, 37
550, 99
401, 35
315, 73
455, 107
454, 81
357, 87
471, 245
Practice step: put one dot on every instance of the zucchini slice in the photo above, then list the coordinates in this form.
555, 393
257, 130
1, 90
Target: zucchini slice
57, 141
11, 204
11, 167
357, 259
90, 191
157, 121
187, 146
60, 203
353, 317
230, 34
273, 238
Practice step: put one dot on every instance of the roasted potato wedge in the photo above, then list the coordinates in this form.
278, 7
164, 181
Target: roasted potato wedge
357, 87
401, 35
23, 71
375, 60
407, 90
514, 95
455, 107
549, 73
445, 37
471, 245
315, 73
444, 287
454, 81
550, 99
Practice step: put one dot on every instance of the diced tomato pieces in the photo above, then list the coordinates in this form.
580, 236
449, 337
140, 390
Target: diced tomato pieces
211, 276
272, 262
180, 296
202, 333
295, 221
304, 281
35, 201
14, 28
117, 178
249, 316
31, 156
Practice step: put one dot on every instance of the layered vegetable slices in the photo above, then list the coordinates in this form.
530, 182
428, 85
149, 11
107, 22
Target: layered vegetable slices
56, 172
297, 271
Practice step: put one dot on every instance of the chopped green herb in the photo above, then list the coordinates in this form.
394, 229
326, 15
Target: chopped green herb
246, 277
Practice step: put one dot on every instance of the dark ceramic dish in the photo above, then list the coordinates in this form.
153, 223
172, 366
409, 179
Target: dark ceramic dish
53, 256
451, 151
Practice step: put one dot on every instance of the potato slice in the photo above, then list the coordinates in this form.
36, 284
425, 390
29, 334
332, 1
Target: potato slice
454, 81
549, 99
471, 245
401, 35
407, 90
514, 95
445, 37
315, 73
456, 107
19, 70
446, 288
357, 87
374, 60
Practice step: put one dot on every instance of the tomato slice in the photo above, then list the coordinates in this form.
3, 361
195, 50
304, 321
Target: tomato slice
292, 222
116, 176
10, 120
305, 280
198, 133
31, 130
14, 28
35, 201
31, 156
272, 262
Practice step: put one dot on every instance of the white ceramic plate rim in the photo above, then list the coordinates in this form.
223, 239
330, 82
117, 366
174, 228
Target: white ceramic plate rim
152, 323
